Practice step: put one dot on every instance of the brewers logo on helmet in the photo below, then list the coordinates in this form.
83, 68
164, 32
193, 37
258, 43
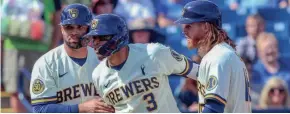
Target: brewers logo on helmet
110, 25
94, 23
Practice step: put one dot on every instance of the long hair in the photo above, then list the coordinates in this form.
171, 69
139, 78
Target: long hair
214, 36
273, 82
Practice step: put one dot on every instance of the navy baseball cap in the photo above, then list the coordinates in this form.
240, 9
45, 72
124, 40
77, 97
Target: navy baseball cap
77, 14
200, 11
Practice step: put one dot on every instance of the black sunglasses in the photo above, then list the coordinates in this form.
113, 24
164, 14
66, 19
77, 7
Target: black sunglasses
103, 37
281, 90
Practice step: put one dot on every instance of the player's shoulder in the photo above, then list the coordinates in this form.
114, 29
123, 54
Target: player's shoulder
101, 72
51, 56
150, 49
101, 68
221, 54
91, 51
156, 47
92, 56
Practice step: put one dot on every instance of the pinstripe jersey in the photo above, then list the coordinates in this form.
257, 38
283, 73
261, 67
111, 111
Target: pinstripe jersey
223, 77
56, 78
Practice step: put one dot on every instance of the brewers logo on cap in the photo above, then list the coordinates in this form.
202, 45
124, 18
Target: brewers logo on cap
73, 13
94, 23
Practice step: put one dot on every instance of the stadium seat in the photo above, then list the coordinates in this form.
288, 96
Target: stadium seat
280, 29
275, 14
241, 31
284, 45
220, 3
230, 28
229, 16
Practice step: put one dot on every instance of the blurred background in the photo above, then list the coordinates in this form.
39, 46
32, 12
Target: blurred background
260, 28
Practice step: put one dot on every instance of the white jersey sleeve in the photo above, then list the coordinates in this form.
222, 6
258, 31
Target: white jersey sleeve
42, 86
218, 71
172, 62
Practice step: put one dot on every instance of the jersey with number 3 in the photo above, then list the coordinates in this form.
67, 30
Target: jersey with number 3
142, 85
223, 77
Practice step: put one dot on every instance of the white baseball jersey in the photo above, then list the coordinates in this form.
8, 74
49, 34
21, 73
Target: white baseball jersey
223, 77
56, 78
142, 85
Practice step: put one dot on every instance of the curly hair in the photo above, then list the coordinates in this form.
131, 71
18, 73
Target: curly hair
214, 36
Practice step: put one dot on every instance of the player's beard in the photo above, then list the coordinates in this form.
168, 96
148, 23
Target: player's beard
75, 45
192, 42
201, 46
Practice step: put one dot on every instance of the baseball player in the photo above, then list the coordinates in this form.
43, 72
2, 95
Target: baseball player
134, 77
62, 78
223, 81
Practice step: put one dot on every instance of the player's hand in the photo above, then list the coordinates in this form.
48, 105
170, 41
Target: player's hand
193, 107
95, 105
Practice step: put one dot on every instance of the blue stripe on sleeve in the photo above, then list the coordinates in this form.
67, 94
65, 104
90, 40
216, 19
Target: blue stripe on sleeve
190, 62
188, 67
213, 106
55, 108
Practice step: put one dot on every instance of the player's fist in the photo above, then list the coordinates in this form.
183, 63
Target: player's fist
95, 105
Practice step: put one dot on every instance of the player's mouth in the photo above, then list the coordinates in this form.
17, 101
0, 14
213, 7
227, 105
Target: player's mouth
74, 41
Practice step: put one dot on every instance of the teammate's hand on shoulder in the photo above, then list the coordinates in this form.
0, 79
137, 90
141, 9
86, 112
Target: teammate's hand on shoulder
95, 105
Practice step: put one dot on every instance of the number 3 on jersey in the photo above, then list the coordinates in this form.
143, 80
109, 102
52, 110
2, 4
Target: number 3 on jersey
149, 98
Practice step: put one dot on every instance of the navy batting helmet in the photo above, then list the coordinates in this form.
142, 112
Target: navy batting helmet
200, 11
109, 25
77, 14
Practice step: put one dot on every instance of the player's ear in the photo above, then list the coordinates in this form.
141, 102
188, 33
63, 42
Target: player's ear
206, 27
61, 29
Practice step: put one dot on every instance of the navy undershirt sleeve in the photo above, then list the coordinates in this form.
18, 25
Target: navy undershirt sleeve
55, 108
212, 106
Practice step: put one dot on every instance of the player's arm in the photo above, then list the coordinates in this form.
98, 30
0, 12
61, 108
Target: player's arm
89, 106
218, 85
174, 63
43, 91
213, 106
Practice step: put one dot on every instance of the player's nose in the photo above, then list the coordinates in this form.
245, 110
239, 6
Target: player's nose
96, 42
